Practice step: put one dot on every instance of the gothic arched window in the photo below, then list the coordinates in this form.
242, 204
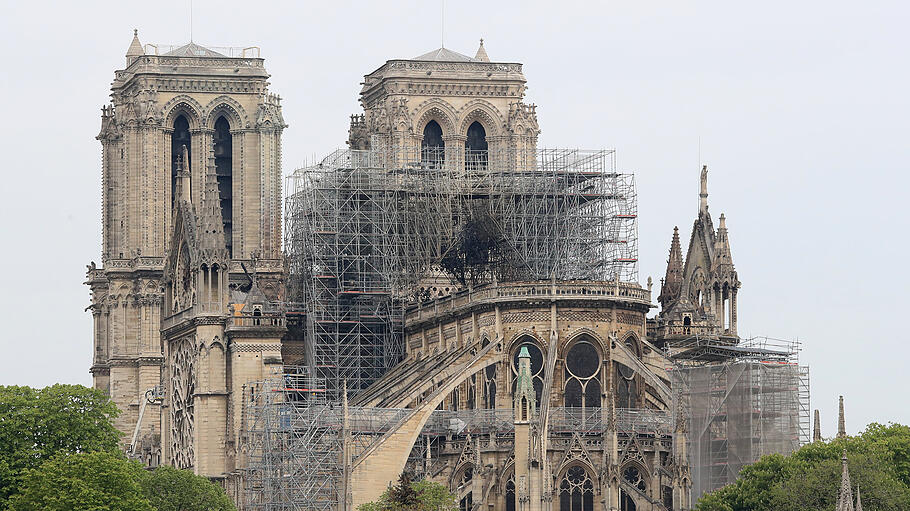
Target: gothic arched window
510, 493
224, 173
626, 386
632, 345
179, 137
433, 146
536, 366
583, 385
576, 490
476, 147
489, 387
633, 476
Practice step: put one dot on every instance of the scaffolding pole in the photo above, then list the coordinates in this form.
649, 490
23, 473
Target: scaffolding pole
370, 232
750, 404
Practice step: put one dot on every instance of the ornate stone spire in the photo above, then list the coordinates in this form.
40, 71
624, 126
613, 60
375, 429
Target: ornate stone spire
841, 425
859, 500
845, 496
722, 254
182, 190
672, 283
481, 53
703, 193
211, 229
135, 49
817, 429
525, 404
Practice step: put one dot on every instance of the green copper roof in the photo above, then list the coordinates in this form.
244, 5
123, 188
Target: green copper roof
524, 352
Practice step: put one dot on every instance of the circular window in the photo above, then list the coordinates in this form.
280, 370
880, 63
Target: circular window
582, 360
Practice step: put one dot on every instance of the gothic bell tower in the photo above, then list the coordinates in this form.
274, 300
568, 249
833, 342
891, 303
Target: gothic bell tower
215, 103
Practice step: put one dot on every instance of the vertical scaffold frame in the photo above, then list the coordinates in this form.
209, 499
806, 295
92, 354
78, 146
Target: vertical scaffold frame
366, 228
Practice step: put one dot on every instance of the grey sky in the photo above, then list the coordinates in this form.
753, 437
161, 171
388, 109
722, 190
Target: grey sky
802, 109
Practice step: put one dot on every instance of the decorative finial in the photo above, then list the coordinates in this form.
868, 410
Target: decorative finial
703, 193
135, 32
481, 55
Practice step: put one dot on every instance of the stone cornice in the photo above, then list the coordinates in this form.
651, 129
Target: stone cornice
592, 295
100, 369
242, 347
124, 362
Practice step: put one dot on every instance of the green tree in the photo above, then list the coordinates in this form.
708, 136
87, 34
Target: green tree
170, 489
95, 481
36, 424
421, 495
879, 463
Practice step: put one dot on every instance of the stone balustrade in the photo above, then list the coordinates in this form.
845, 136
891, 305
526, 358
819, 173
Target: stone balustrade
498, 293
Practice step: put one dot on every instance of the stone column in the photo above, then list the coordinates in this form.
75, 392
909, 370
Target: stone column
237, 194
454, 153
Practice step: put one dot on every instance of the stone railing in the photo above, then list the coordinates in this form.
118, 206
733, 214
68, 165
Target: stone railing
469, 421
665, 331
143, 262
495, 293
266, 319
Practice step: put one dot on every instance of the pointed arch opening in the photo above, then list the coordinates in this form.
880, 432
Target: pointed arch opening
582, 375
576, 490
180, 137
626, 386
223, 146
476, 148
433, 146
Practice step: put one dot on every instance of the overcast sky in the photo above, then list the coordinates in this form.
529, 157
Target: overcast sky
801, 109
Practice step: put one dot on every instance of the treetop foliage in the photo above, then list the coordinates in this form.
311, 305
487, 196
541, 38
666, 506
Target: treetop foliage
809, 479
421, 495
37, 424
59, 450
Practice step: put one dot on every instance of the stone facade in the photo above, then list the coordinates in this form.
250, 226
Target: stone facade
600, 429
191, 222
189, 298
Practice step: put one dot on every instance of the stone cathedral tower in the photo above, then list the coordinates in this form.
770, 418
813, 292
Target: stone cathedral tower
191, 169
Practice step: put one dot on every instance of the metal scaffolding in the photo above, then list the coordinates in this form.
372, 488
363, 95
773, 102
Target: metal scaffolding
370, 231
743, 402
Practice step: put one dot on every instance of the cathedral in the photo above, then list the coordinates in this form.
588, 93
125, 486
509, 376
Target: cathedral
462, 306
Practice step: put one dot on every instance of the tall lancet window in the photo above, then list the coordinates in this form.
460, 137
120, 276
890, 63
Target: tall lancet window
476, 154
179, 138
223, 171
433, 146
